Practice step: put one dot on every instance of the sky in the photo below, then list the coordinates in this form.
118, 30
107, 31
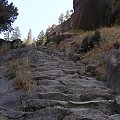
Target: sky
39, 14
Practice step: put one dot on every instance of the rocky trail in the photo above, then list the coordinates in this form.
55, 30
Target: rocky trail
62, 90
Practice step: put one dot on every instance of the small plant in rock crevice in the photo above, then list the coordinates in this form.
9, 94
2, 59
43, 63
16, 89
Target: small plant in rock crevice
12, 70
20, 74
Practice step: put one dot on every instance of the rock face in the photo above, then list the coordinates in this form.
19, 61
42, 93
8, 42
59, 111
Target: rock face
7, 45
116, 11
91, 14
4, 45
113, 70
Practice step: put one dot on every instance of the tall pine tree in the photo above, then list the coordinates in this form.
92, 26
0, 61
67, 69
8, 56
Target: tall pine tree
67, 15
42, 38
16, 33
29, 38
61, 18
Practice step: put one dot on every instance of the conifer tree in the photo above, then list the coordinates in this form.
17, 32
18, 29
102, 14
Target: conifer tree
67, 15
42, 38
29, 38
61, 18
16, 33
8, 14
6, 35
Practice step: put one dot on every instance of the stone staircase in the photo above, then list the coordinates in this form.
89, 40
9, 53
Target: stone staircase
64, 91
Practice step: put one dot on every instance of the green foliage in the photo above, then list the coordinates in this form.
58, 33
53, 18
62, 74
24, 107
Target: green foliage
20, 73
47, 33
8, 14
63, 17
12, 73
42, 38
96, 38
29, 38
117, 21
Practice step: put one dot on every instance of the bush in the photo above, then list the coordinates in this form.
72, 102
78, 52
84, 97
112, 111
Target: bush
12, 73
20, 73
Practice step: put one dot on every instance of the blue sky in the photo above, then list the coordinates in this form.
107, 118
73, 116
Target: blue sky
39, 14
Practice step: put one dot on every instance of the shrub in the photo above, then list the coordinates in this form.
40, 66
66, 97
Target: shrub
13, 70
20, 73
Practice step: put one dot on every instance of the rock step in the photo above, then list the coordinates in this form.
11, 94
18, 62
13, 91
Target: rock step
43, 77
103, 105
49, 113
83, 94
68, 104
86, 114
42, 103
53, 73
83, 82
54, 88
58, 96
106, 106
6, 114
86, 90
73, 103
47, 82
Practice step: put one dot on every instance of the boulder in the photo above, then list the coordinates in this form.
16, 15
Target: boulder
16, 43
88, 43
113, 70
4, 45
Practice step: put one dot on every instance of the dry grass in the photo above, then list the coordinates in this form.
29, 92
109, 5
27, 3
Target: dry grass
20, 73
75, 40
109, 37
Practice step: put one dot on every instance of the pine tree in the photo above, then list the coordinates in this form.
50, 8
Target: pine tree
6, 35
67, 15
29, 38
42, 38
61, 18
8, 14
53, 26
47, 34
16, 33
48, 30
